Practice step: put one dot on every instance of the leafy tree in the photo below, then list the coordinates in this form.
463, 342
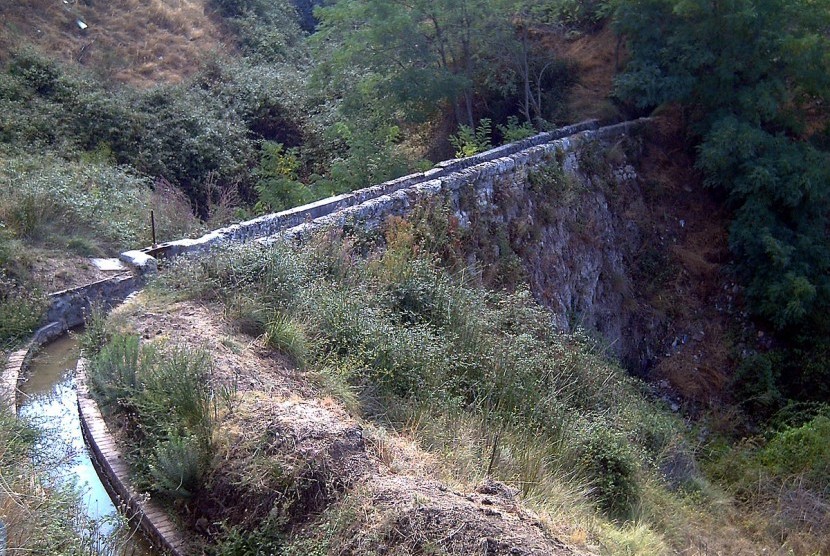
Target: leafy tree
279, 186
367, 156
746, 70
415, 56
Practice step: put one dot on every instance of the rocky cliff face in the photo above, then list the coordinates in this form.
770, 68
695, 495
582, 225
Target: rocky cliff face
573, 226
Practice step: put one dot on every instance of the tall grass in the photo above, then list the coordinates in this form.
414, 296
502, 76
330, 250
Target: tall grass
166, 403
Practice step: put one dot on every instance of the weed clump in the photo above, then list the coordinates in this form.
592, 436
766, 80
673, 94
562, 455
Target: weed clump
166, 405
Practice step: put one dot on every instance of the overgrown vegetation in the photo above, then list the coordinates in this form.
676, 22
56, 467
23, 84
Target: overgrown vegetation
410, 346
752, 77
377, 89
290, 120
165, 400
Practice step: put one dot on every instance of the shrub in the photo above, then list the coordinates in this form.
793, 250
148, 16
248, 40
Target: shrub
468, 141
266, 538
21, 309
175, 395
95, 334
803, 450
278, 187
581, 13
177, 466
114, 371
512, 131
755, 384
167, 401
607, 462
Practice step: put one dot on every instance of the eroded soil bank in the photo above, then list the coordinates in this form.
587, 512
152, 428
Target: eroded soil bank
289, 451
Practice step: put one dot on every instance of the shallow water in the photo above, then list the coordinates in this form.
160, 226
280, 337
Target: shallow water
49, 399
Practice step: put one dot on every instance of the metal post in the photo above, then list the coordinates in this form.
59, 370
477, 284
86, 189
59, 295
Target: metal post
153, 226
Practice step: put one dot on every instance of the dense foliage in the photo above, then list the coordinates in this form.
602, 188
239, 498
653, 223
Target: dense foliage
753, 78
415, 58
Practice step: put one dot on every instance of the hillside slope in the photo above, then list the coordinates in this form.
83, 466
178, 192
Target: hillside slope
141, 43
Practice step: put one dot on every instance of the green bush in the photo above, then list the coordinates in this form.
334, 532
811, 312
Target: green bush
21, 309
278, 187
607, 462
168, 406
755, 384
175, 396
803, 451
95, 334
266, 538
468, 141
581, 13
115, 371
177, 466
513, 131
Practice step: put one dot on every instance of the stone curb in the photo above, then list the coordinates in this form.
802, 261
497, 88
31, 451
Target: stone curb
111, 466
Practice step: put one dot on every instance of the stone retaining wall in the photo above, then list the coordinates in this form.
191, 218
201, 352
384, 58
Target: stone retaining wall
370, 206
70, 307
272, 224
476, 179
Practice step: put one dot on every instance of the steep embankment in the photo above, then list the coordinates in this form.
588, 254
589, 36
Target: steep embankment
287, 451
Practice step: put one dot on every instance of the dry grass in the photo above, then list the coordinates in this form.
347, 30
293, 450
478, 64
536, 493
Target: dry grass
140, 42
595, 57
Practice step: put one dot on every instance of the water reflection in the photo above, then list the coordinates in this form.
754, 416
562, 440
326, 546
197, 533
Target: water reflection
49, 400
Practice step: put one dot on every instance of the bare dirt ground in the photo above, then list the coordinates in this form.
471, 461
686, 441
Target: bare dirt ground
139, 42
698, 299
285, 447
57, 271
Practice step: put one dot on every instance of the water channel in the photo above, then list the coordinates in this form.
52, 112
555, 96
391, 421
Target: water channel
49, 399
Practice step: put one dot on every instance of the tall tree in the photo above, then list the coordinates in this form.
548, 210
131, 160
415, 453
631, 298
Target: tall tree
419, 53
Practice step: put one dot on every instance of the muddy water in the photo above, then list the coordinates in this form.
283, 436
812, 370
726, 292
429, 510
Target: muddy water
49, 399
